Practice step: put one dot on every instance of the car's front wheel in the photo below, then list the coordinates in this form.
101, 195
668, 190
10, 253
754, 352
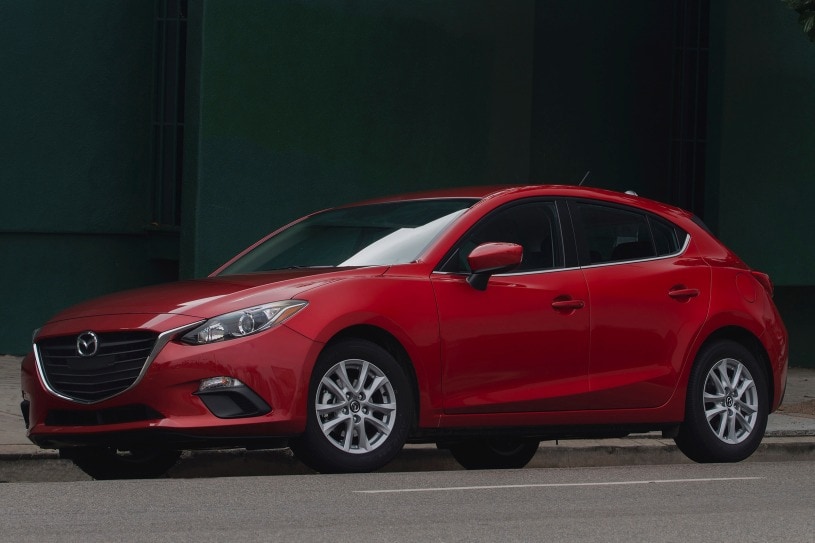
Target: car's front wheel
727, 405
360, 409
105, 463
495, 453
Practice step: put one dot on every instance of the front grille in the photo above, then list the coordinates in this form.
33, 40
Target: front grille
114, 368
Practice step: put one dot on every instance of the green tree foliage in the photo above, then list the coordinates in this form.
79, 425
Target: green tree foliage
806, 15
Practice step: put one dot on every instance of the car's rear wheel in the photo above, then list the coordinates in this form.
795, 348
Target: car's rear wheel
495, 453
360, 409
105, 463
727, 405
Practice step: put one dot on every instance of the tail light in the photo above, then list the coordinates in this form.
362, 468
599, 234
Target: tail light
765, 281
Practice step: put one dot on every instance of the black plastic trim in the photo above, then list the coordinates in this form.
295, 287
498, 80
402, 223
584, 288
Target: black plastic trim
171, 439
234, 402
589, 431
25, 407
101, 417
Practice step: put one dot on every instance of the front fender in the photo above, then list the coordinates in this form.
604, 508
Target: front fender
403, 307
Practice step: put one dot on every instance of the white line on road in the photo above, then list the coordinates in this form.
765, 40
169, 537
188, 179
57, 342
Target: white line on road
557, 485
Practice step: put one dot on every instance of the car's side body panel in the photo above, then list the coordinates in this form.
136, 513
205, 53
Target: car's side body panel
507, 349
398, 303
639, 332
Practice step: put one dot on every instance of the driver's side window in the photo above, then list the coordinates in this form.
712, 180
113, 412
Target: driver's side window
534, 226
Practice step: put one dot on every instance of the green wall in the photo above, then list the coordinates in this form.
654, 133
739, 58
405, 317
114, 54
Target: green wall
307, 104
76, 116
75, 156
762, 167
761, 174
602, 95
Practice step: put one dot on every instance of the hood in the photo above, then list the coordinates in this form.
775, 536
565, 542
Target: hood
205, 298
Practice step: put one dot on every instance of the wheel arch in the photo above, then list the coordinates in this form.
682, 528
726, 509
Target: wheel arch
390, 343
752, 343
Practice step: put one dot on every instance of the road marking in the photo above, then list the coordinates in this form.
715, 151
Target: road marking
557, 485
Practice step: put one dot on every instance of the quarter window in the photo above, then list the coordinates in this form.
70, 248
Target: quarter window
668, 238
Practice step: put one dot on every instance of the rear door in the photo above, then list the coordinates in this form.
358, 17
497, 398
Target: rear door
649, 294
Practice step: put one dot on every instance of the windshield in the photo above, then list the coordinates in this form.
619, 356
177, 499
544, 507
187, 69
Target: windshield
368, 235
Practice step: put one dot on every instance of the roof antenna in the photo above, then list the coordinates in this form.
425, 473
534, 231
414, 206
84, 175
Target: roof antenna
584, 178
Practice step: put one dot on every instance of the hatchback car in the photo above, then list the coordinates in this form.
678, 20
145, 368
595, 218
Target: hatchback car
484, 320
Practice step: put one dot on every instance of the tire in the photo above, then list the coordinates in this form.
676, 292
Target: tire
103, 463
727, 405
496, 453
360, 410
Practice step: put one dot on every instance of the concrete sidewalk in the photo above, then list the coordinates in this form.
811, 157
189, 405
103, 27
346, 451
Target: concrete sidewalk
790, 435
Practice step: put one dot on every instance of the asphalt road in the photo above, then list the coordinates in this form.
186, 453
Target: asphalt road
688, 502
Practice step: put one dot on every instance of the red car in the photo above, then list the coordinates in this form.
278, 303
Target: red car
481, 319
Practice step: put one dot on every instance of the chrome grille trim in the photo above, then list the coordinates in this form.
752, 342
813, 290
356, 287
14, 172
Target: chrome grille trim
160, 341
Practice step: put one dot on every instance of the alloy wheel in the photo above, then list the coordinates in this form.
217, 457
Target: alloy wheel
355, 406
730, 401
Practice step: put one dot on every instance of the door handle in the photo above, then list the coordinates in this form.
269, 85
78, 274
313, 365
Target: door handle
567, 305
682, 293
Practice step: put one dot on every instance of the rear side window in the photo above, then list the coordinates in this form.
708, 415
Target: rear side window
614, 234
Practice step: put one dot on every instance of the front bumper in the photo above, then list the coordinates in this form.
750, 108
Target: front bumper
164, 407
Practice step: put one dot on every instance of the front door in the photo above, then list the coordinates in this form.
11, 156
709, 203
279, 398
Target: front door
520, 345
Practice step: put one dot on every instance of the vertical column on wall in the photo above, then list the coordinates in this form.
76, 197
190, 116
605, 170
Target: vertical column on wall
689, 104
188, 190
168, 111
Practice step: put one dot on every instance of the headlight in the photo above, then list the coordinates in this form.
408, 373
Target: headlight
243, 323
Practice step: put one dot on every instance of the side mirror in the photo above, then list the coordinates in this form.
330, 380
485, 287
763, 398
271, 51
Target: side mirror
491, 258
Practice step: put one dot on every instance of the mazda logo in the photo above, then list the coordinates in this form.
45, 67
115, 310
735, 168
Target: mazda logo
87, 343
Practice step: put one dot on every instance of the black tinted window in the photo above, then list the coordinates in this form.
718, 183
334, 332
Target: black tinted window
613, 234
534, 226
668, 238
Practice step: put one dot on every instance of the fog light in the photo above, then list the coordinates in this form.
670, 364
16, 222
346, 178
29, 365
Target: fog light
216, 383
229, 398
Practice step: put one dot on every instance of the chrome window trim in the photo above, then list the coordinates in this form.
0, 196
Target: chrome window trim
511, 274
534, 272
161, 341
680, 252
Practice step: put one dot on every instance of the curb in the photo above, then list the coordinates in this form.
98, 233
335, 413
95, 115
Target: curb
46, 466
